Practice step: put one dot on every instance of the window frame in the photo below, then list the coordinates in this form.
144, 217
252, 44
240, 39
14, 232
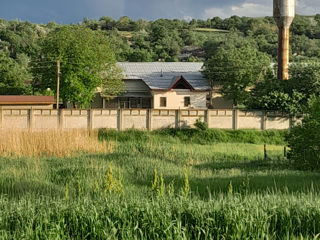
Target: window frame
187, 101
163, 101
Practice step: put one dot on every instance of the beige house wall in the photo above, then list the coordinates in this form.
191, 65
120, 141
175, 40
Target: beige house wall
144, 119
175, 99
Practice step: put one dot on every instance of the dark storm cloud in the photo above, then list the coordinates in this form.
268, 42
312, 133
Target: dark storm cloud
73, 11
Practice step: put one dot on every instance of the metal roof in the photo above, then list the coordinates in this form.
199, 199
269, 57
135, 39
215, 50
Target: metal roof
160, 75
13, 99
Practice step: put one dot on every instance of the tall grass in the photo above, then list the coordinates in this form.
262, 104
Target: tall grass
51, 143
226, 217
158, 186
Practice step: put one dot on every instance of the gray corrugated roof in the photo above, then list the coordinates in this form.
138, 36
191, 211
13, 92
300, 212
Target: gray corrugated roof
150, 73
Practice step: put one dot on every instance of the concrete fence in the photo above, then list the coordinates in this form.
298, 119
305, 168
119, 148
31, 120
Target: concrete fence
144, 119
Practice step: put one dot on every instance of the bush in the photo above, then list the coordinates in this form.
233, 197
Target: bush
200, 125
304, 140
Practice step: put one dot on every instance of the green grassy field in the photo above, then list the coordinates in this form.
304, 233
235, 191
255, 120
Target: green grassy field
210, 185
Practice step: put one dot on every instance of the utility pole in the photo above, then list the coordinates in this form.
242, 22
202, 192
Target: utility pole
58, 82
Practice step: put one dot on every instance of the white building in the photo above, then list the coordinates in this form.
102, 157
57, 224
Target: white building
161, 85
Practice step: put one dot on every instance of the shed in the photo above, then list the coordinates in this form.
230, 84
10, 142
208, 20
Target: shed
26, 102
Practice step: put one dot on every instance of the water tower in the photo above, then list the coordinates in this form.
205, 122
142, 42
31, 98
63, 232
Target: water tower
283, 13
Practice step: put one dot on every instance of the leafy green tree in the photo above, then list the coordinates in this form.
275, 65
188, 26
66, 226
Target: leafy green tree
107, 23
165, 40
303, 139
227, 41
87, 60
119, 45
125, 24
13, 77
301, 45
272, 94
141, 55
290, 96
236, 70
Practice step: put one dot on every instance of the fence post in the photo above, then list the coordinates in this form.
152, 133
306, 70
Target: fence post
208, 117
90, 119
61, 119
265, 151
264, 120
120, 119
235, 119
149, 117
30, 119
177, 119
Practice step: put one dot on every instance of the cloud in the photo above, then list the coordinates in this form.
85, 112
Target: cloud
307, 7
73, 11
249, 9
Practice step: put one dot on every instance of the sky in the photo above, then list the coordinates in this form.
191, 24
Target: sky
73, 11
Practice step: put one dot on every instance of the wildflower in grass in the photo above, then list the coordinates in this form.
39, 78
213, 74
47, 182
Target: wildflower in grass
155, 180
111, 183
158, 185
171, 188
186, 188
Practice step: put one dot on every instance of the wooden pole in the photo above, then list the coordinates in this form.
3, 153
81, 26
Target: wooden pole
58, 82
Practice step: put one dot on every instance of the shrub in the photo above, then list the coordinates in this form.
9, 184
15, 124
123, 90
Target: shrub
200, 125
304, 140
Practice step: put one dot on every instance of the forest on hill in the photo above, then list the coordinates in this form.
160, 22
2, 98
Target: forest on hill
170, 40
28, 51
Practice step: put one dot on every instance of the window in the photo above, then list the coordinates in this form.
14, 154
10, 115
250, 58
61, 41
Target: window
187, 101
163, 101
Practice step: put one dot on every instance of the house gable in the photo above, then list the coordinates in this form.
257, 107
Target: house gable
181, 83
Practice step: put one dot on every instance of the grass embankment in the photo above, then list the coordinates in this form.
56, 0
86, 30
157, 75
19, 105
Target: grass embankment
234, 193
195, 136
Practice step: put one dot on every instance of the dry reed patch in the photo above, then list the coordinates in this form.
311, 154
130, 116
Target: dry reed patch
51, 143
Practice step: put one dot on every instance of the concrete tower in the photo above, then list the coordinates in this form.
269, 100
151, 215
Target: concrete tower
283, 13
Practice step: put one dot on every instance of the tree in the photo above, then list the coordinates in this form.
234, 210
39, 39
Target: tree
165, 40
107, 23
13, 77
290, 96
236, 70
86, 62
125, 24
272, 94
303, 139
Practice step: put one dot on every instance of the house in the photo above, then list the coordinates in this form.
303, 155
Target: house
161, 85
165, 85
26, 102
